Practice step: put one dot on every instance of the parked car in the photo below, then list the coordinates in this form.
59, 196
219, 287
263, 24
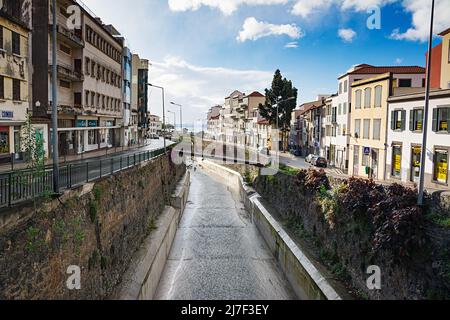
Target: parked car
309, 158
320, 162
297, 153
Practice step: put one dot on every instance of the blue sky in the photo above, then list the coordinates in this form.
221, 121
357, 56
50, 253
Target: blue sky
201, 50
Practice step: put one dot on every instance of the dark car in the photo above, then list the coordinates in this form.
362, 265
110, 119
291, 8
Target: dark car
320, 162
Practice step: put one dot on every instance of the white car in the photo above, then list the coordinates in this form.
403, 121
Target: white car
310, 158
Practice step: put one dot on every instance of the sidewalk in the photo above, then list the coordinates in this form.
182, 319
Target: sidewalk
7, 167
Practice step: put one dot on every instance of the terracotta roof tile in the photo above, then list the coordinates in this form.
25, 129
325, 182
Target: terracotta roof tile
386, 69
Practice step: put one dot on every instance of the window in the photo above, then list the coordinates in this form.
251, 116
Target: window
15, 43
365, 160
396, 161
92, 68
93, 99
65, 49
404, 83
87, 65
64, 84
340, 109
77, 100
334, 115
424, 83
441, 119
345, 86
16, 90
441, 166
1, 37
357, 128
416, 155
398, 120
366, 129
344, 111
92, 137
358, 95
378, 96
416, 120
367, 97
376, 129
86, 98
4, 140
2, 87
340, 87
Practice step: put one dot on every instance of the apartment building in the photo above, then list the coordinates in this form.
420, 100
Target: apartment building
257, 128
406, 123
127, 78
155, 125
14, 76
369, 118
213, 123
313, 115
89, 70
139, 99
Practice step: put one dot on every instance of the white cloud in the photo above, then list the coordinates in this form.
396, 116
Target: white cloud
347, 35
421, 10
291, 45
398, 61
254, 30
198, 88
226, 6
304, 8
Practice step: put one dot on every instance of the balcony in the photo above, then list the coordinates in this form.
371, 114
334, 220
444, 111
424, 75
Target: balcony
68, 35
65, 73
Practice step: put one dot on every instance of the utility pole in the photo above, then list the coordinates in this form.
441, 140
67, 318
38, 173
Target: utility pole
426, 112
55, 152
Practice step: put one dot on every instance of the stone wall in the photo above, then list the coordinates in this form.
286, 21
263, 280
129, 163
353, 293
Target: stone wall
347, 249
97, 227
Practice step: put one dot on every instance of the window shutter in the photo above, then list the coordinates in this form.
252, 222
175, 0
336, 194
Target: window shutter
392, 120
435, 120
411, 120
403, 120
448, 120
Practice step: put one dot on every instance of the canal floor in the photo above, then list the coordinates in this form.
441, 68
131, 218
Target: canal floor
218, 253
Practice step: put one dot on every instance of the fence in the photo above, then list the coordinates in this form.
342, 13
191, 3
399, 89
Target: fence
22, 185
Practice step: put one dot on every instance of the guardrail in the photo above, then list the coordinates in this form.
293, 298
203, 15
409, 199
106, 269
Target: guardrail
22, 185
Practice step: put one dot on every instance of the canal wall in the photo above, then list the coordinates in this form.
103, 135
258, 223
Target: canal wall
97, 229
306, 279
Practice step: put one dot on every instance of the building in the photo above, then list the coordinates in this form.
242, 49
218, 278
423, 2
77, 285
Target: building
155, 126
89, 68
257, 128
14, 76
213, 123
312, 129
139, 99
406, 123
369, 118
127, 77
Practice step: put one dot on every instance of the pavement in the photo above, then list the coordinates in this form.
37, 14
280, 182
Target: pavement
218, 253
103, 154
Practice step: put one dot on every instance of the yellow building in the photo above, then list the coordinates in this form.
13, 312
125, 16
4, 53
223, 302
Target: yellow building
13, 83
445, 65
369, 126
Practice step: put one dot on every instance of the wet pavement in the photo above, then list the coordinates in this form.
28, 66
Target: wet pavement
217, 253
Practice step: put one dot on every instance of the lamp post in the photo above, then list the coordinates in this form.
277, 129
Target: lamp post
164, 112
55, 103
181, 115
426, 111
174, 118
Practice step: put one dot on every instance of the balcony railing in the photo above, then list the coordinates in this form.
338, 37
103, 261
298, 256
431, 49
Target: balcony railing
69, 35
68, 74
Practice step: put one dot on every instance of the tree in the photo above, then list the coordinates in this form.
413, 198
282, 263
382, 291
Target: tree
281, 87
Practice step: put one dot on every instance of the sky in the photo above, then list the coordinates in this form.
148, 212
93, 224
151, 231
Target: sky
202, 50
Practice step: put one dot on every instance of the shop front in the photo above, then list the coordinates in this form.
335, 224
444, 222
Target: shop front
10, 142
441, 166
416, 154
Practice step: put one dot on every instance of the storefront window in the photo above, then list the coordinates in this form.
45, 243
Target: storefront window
92, 137
396, 161
415, 163
441, 166
4, 140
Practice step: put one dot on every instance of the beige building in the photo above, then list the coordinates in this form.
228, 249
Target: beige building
445, 65
14, 78
155, 126
369, 118
89, 70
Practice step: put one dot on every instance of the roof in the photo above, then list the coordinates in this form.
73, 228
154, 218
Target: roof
256, 94
263, 121
311, 106
386, 69
214, 113
445, 32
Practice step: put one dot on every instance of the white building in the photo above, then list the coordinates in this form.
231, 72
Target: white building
405, 136
155, 125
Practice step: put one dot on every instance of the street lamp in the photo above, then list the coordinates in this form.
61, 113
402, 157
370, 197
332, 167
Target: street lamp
174, 118
55, 103
181, 115
427, 105
164, 112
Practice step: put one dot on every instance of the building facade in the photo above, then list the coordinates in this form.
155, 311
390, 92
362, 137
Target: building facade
14, 77
89, 71
139, 99
155, 126
369, 118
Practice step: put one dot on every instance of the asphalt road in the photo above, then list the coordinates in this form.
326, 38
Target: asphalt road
217, 253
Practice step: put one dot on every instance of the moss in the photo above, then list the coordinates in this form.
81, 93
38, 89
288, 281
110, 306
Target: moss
289, 170
93, 210
141, 184
439, 219
98, 192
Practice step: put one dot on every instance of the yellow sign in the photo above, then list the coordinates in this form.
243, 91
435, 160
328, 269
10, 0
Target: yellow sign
419, 126
398, 162
444, 125
442, 169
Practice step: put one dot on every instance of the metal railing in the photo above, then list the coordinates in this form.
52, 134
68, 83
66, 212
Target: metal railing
22, 185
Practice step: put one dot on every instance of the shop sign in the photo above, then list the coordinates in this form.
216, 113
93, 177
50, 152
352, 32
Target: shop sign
7, 114
398, 162
92, 123
81, 124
